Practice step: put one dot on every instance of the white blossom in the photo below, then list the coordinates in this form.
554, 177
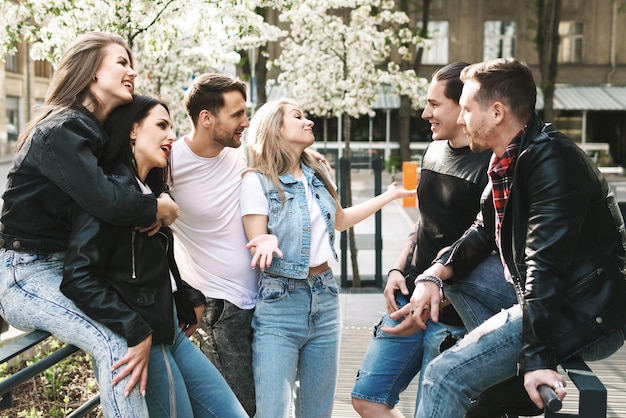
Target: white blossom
333, 60
172, 40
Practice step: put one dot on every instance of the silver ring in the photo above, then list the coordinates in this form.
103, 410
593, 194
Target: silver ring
557, 384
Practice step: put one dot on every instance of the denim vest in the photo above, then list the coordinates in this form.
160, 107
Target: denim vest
291, 223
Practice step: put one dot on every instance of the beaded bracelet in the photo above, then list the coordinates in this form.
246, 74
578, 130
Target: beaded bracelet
398, 270
429, 278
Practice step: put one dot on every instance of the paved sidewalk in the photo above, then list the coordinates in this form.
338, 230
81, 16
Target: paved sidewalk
362, 308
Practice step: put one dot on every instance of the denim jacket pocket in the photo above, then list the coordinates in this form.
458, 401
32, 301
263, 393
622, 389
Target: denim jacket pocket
276, 206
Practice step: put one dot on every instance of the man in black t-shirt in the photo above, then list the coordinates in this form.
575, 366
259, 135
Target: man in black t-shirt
452, 179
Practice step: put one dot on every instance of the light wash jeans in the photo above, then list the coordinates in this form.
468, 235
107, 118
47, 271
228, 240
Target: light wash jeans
226, 339
182, 382
30, 299
391, 361
488, 354
297, 331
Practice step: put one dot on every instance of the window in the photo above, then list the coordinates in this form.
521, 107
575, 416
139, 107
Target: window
11, 64
13, 117
43, 69
436, 50
499, 39
571, 47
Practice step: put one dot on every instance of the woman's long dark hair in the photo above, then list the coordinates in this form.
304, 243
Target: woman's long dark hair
118, 149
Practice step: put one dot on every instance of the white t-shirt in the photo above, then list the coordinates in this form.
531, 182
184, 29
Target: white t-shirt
210, 247
254, 202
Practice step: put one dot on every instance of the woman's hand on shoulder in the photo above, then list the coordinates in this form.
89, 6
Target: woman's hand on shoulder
167, 213
167, 209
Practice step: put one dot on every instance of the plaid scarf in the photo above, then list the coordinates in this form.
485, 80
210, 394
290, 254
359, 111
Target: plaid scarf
501, 174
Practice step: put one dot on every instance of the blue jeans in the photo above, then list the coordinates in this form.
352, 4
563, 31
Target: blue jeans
391, 362
182, 382
30, 299
487, 355
226, 339
297, 331
481, 293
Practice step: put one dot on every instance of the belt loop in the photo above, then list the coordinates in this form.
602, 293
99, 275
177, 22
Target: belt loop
292, 285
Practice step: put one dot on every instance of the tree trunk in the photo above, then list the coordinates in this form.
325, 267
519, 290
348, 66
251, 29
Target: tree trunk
404, 116
356, 277
404, 128
547, 39
261, 75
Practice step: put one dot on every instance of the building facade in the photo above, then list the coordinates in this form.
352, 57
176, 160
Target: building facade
590, 98
23, 83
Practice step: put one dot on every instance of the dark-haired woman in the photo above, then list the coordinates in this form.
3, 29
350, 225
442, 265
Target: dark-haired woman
125, 279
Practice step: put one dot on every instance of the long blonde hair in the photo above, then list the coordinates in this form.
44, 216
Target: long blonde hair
70, 83
268, 151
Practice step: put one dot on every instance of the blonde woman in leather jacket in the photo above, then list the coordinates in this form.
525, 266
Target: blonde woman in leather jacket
55, 168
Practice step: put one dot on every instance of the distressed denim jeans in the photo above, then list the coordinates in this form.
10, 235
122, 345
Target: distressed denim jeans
391, 361
226, 339
30, 299
487, 355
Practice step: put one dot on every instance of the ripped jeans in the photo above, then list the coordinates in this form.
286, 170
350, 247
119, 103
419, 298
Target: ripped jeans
486, 356
30, 298
391, 361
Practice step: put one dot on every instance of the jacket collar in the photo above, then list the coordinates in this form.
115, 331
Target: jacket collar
307, 172
537, 131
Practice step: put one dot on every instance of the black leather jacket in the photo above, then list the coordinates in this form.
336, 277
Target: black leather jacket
564, 243
121, 277
56, 167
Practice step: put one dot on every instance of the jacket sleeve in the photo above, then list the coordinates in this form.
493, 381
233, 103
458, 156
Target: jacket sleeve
476, 243
72, 166
84, 279
554, 179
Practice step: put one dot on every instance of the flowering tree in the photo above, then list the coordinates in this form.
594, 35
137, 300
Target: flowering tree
172, 40
337, 55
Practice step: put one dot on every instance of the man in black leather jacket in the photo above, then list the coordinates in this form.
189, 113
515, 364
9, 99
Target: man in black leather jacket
560, 234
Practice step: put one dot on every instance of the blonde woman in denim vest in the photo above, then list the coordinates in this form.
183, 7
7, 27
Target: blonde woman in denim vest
297, 321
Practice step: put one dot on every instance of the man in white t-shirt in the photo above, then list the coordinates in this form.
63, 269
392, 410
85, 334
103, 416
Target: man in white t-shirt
211, 248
